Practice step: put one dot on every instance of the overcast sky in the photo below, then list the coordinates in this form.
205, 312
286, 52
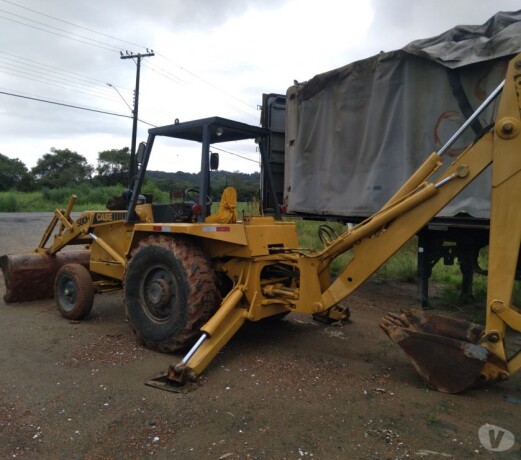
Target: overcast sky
213, 57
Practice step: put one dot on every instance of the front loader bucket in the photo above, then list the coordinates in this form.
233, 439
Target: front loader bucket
444, 351
31, 276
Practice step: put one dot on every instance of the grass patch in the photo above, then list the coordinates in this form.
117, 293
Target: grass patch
308, 232
88, 198
9, 203
402, 266
47, 200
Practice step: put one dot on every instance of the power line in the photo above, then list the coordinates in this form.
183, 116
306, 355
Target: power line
50, 75
87, 89
73, 106
45, 73
45, 81
100, 45
73, 24
65, 105
166, 74
113, 49
109, 47
41, 65
33, 73
234, 154
25, 93
113, 114
214, 86
108, 97
207, 82
52, 27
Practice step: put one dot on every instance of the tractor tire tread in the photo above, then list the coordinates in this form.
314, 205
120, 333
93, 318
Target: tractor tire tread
203, 294
84, 291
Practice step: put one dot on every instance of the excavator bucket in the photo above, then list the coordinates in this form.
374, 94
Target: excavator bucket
444, 351
31, 276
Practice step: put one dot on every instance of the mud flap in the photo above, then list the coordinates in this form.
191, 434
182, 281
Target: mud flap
444, 351
31, 276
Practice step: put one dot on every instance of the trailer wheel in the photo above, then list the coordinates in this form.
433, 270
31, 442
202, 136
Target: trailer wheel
74, 291
170, 292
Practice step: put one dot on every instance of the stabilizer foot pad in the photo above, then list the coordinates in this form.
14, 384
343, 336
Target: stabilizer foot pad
162, 382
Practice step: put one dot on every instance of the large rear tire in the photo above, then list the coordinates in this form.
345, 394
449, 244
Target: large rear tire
74, 291
170, 292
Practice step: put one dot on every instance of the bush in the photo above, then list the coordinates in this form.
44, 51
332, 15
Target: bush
8, 202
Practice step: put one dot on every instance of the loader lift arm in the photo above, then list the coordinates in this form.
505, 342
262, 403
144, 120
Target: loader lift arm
450, 355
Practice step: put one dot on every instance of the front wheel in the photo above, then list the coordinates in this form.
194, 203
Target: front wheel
170, 292
74, 291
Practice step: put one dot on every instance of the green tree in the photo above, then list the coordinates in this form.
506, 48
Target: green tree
247, 185
61, 168
13, 174
113, 167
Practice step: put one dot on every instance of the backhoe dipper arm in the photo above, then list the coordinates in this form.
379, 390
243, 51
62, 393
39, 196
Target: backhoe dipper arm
453, 355
505, 227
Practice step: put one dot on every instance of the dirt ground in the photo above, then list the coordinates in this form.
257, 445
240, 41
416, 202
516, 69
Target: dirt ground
292, 389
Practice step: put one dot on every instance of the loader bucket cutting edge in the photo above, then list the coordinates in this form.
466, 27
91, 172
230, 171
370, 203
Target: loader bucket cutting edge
444, 351
31, 276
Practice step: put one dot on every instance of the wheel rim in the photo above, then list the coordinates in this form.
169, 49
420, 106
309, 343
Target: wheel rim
68, 294
159, 293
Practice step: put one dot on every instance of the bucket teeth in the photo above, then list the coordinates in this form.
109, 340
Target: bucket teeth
444, 351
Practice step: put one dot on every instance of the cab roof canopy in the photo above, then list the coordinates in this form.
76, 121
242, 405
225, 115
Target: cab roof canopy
217, 128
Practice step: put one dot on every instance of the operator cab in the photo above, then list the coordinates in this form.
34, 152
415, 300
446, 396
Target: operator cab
206, 131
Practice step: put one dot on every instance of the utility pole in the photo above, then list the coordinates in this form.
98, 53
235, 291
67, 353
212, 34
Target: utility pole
138, 57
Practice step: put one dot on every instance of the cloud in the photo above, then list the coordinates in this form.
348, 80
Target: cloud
398, 22
212, 58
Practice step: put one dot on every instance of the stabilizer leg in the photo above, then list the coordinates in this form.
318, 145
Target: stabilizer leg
221, 327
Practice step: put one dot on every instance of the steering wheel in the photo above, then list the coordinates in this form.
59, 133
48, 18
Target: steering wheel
192, 196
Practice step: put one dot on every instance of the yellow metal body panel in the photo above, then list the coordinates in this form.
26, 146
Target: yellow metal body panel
229, 233
505, 221
249, 274
118, 237
251, 238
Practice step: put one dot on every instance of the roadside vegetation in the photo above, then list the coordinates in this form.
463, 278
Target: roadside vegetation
61, 173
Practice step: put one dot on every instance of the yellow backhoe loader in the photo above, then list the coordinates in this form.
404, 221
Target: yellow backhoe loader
191, 279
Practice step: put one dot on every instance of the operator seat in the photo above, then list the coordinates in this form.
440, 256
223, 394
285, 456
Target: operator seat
227, 213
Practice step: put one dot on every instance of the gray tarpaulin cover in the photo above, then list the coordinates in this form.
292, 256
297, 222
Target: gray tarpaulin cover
356, 133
